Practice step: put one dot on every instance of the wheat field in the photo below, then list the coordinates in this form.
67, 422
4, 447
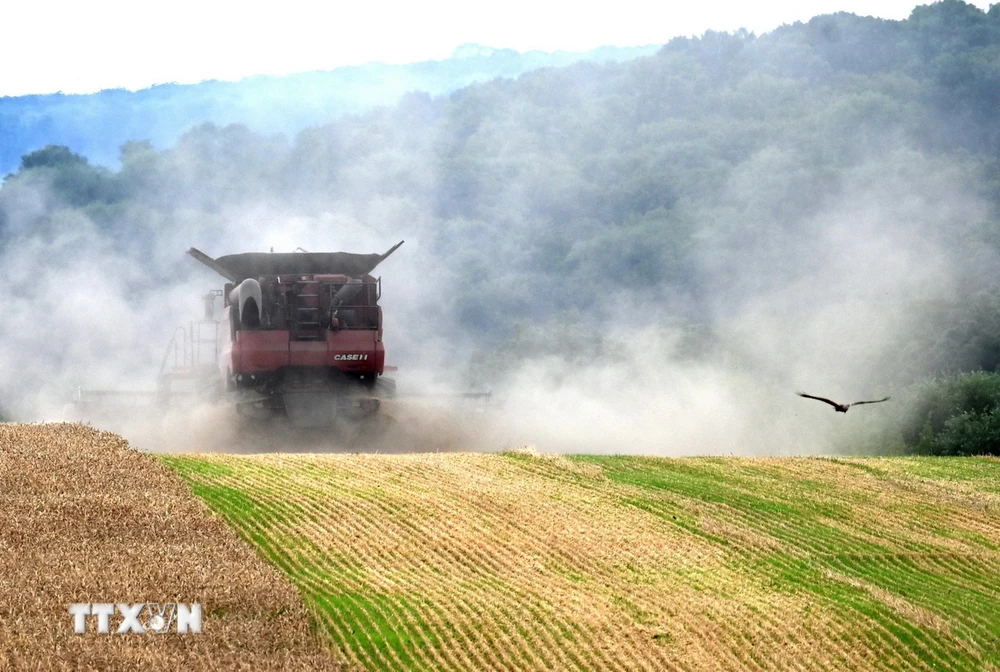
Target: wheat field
521, 561
85, 518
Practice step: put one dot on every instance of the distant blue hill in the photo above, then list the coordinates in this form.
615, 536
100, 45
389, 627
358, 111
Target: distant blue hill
96, 125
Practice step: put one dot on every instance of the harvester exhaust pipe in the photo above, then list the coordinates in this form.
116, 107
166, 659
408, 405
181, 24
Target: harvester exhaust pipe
247, 297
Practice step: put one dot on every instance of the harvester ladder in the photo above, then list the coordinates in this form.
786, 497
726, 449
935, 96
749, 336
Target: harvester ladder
188, 356
306, 311
188, 346
203, 337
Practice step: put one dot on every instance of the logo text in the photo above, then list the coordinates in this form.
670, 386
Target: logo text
140, 618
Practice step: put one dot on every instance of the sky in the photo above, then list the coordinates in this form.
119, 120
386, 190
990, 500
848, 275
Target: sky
82, 47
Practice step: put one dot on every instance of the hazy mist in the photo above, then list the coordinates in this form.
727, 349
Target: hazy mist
808, 274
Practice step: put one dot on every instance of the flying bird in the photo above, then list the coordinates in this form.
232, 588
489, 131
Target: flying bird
840, 408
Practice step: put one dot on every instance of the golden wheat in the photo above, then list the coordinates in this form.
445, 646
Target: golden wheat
84, 518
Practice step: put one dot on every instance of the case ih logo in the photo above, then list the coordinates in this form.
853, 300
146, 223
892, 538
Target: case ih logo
350, 358
143, 617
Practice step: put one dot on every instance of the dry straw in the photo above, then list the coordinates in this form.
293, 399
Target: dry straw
84, 518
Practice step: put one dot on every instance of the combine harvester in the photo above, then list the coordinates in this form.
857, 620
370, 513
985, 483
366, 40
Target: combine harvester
299, 337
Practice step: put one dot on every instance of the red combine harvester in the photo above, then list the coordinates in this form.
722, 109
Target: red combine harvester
300, 336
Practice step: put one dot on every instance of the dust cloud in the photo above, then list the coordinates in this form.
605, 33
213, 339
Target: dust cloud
400, 426
820, 305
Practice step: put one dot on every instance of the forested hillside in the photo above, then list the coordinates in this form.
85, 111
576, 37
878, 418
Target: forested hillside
95, 125
726, 220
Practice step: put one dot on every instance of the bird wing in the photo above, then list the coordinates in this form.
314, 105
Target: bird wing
823, 399
876, 401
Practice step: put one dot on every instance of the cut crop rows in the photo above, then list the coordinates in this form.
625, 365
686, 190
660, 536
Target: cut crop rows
519, 561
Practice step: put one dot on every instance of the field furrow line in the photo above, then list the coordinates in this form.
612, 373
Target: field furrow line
474, 557
372, 523
882, 639
970, 573
451, 562
245, 525
422, 633
961, 604
415, 621
725, 649
759, 631
854, 637
503, 552
901, 630
303, 575
405, 622
539, 542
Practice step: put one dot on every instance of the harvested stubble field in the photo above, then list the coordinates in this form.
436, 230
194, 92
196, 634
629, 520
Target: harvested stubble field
518, 561
84, 518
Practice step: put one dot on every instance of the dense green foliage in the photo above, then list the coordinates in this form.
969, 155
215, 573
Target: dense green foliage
957, 415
